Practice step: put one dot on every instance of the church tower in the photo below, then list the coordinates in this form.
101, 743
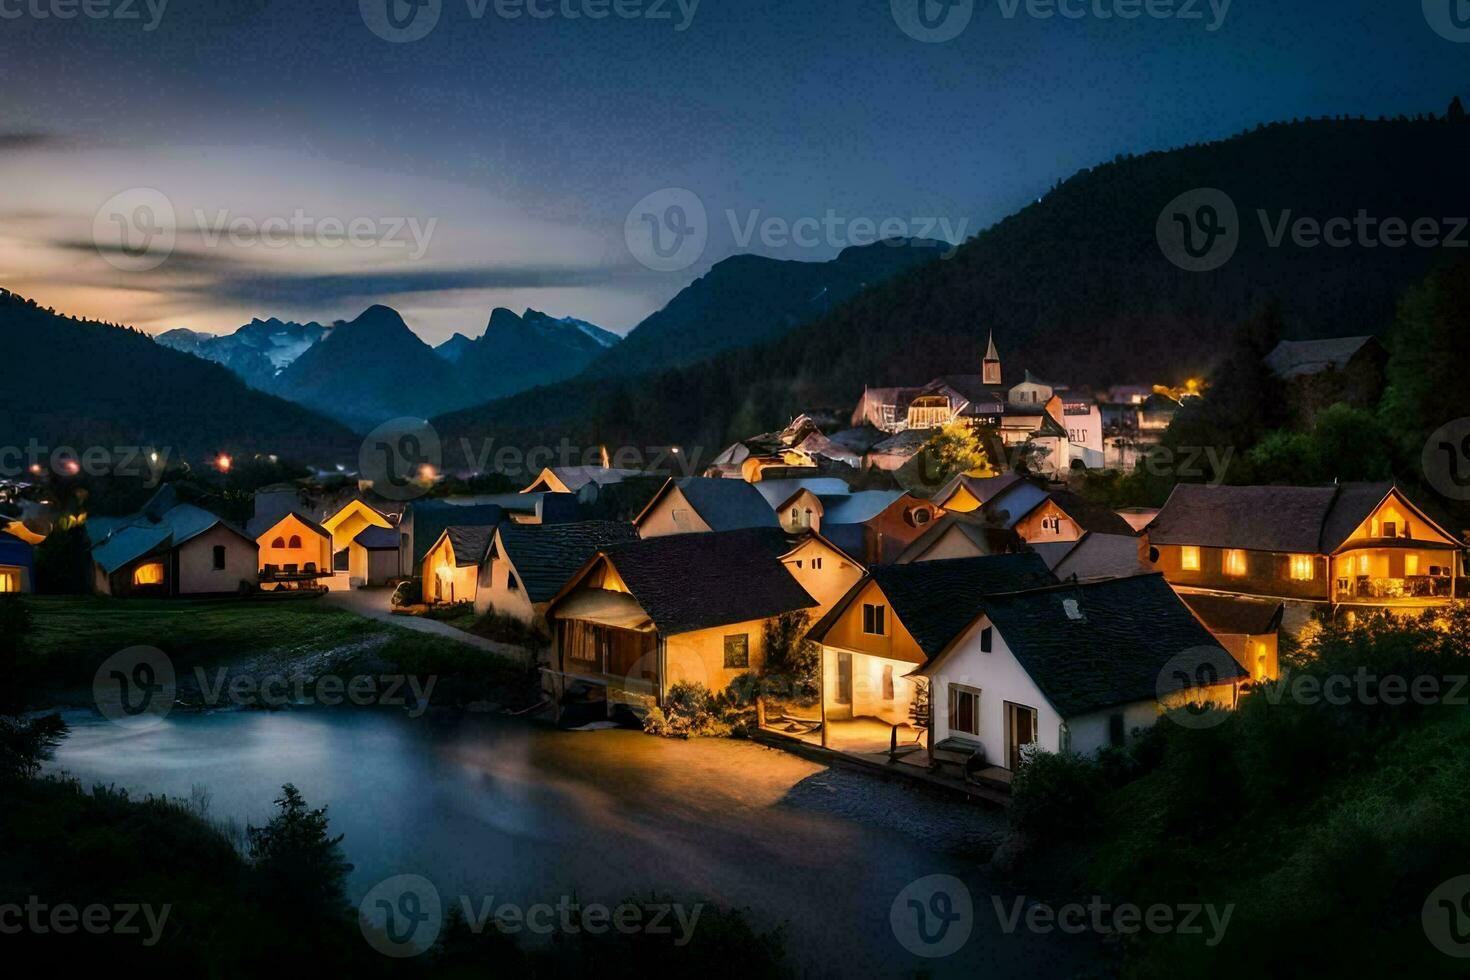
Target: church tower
992, 363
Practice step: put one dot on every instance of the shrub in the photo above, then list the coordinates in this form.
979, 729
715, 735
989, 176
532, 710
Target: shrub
690, 711
1053, 793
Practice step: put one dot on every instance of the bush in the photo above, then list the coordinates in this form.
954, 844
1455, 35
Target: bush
409, 593
690, 711
1052, 793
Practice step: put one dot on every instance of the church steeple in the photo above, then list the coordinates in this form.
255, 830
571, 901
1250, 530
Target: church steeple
991, 374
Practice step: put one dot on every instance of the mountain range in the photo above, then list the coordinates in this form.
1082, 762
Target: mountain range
258, 352
1075, 286
89, 385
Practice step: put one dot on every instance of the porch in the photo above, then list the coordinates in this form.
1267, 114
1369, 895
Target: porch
1416, 570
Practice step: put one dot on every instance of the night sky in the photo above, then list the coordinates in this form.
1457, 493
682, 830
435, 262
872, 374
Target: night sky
520, 145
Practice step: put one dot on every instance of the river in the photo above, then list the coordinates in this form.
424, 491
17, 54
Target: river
491, 806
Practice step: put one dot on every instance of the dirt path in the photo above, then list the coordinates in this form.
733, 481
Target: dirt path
373, 604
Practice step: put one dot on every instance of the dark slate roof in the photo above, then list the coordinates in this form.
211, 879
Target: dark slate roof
1293, 358
1090, 516
1280, 519
1129, 631
727, 505
546, 556
982, 488
431, 517
1223, 614
1304, 520
378, 538
688, 582
936, 600
311, 525
470, 543
850, 538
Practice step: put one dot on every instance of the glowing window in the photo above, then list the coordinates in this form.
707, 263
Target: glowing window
1260, 661
9, 580
1189, 558
149, 574
1235, 562
1411, 564
1303, 568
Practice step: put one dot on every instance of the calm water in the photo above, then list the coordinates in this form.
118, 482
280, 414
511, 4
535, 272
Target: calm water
493, 807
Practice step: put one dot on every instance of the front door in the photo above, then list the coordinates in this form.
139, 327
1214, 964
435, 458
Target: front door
844, 678
1020, 730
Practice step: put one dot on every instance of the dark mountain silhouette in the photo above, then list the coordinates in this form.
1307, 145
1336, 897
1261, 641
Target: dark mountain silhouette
1076, 288
81, 383
453, 350
370, 370
257, 352
746, 299
520, 352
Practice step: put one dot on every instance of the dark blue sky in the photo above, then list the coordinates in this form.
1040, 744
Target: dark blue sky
529, 140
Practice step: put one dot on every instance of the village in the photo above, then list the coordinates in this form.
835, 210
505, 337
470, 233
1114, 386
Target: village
941, 631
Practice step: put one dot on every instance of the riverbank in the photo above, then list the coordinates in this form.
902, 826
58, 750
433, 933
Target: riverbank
248, 653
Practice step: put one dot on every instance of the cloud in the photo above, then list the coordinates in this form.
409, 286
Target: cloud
19, 140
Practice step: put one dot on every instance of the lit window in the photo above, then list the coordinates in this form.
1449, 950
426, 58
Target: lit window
1411, 564
1303, 568
1235, 562
149, 574
1189, 558
9, 580
1364, 564
1260, 661
874, 619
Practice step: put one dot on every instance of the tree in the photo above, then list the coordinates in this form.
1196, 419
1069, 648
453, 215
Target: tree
297, 863
1426, 364
958, 447
1456, 111
64, 559
790, 658
24, 743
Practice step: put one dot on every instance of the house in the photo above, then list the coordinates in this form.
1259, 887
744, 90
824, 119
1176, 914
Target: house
1096, 556
372, 557
423, 521
960, 535
824, 570
451, 566
346, 523
876, 526
749, 459
574, 479
640, 617
172, 548
1058, 515
526, 565
1319, 373
894, 619
964, 493
797, 502
697, 504
17, 561
1248, 628
1360, 546
1068, 668
294, 552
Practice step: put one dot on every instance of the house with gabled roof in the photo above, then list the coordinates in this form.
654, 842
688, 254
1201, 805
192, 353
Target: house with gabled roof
640, 617
574, 479
1007, 659
451, 567
526, 565
1358, 546
372, 557
294, 552
171, 548
1249, 628
700, 504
